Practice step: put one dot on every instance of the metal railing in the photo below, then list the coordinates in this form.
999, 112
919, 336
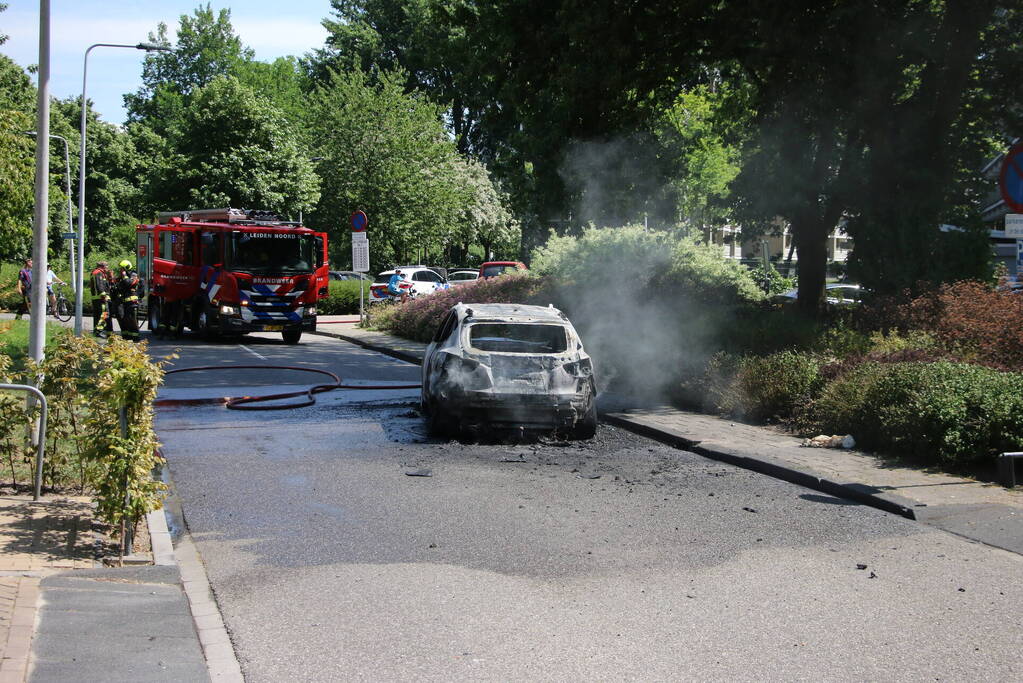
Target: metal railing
41, 445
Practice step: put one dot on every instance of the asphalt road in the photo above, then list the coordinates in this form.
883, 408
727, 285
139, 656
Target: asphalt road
617, 558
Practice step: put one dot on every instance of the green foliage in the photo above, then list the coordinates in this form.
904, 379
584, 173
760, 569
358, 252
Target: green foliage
633, 254
233, 147
86, 384
17, 173
772, 387
126, 380
385, 152
702, 272
954, 414
206, 48
696, 130
343, 298
770, 280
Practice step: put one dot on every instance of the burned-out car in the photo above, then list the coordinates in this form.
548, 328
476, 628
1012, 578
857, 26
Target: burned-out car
508, 366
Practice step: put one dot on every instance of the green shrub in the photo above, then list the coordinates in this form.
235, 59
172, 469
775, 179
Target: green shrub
952, 414
343, 298
630, 253
702, 273
766, 387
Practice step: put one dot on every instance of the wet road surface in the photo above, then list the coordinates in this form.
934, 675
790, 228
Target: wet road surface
613, 558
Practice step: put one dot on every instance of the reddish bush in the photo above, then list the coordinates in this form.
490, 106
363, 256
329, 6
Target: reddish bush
418, 318
968, 318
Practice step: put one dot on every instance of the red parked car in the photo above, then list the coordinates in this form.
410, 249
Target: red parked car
495, 268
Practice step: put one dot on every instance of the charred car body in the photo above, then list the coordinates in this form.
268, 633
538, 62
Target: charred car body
508, 366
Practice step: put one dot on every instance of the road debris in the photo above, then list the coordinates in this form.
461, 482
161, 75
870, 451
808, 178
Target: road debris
422, 472
835, 441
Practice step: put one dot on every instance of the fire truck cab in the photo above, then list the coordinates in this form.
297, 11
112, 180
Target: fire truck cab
227, 272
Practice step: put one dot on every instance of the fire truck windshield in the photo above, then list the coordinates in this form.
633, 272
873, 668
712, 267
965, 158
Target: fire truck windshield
271, 252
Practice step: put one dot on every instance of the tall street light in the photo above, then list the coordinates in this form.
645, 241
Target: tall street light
80, 278
67, 186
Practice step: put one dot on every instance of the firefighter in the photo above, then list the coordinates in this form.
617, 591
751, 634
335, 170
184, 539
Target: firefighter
99, 284
126, 289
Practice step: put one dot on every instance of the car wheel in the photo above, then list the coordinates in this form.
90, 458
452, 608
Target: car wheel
291, 336
586, 427
438, 421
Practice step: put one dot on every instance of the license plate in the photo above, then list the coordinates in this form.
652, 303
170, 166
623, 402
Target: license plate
273, 328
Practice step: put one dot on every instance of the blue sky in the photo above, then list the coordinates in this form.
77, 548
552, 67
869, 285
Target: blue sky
273, 28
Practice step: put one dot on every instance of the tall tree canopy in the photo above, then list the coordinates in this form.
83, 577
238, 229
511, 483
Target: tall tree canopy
385, 152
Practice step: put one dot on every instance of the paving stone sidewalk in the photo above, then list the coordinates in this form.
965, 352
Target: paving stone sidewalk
980, 511
37, 539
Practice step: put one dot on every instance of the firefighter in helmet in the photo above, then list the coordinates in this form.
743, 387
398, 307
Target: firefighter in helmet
99, 284
127, 288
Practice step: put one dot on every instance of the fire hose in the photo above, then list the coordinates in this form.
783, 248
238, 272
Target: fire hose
245, 402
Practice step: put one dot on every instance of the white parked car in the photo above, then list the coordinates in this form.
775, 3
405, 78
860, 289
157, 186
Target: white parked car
508, 366
460, 277
836, 294
416, 280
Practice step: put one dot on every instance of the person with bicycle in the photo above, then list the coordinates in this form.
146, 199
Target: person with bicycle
394, 288
51, 277
99, 285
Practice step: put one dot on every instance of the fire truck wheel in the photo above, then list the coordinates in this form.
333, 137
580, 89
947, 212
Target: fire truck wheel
291, 336
154, 317
203, 326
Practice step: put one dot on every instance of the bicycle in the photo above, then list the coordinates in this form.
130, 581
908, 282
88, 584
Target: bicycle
65, 309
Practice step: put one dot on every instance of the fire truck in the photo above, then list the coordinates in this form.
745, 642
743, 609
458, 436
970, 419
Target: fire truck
227, 272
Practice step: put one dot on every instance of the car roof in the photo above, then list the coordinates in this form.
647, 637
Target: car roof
510, 313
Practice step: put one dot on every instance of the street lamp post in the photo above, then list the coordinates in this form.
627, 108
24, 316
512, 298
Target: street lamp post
67, 189
80, 277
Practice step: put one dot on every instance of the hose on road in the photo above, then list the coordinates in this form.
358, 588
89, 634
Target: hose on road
246, 402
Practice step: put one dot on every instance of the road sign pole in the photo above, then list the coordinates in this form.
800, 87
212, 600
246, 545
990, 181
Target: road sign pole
360, 253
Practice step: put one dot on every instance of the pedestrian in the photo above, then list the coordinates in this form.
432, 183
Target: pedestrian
127, 289
99, 284
394, 288
25, 289
51, 277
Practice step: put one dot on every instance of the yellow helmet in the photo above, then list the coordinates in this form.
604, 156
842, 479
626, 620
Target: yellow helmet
125, 264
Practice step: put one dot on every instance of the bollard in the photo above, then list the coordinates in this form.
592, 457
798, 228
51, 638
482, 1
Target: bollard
41, 444
1007, 468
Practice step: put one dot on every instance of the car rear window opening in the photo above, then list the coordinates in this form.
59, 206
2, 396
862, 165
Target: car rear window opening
518, 338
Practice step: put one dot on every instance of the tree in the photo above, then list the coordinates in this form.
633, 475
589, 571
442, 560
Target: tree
232, 147
485, 218
417, 37
385, 152
206, 48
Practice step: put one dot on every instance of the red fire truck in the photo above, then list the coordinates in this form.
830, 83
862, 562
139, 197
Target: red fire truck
226, 272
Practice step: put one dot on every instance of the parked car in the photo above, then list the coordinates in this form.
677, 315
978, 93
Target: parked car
508, 366
495, 268
417, 281
463, 275
349, 275
835, 294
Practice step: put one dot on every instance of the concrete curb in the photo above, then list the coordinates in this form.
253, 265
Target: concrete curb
160, 538
386, 350
858, 492
221, 660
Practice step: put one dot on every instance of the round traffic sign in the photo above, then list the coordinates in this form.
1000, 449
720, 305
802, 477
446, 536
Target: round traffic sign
359, 221
1011, 179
